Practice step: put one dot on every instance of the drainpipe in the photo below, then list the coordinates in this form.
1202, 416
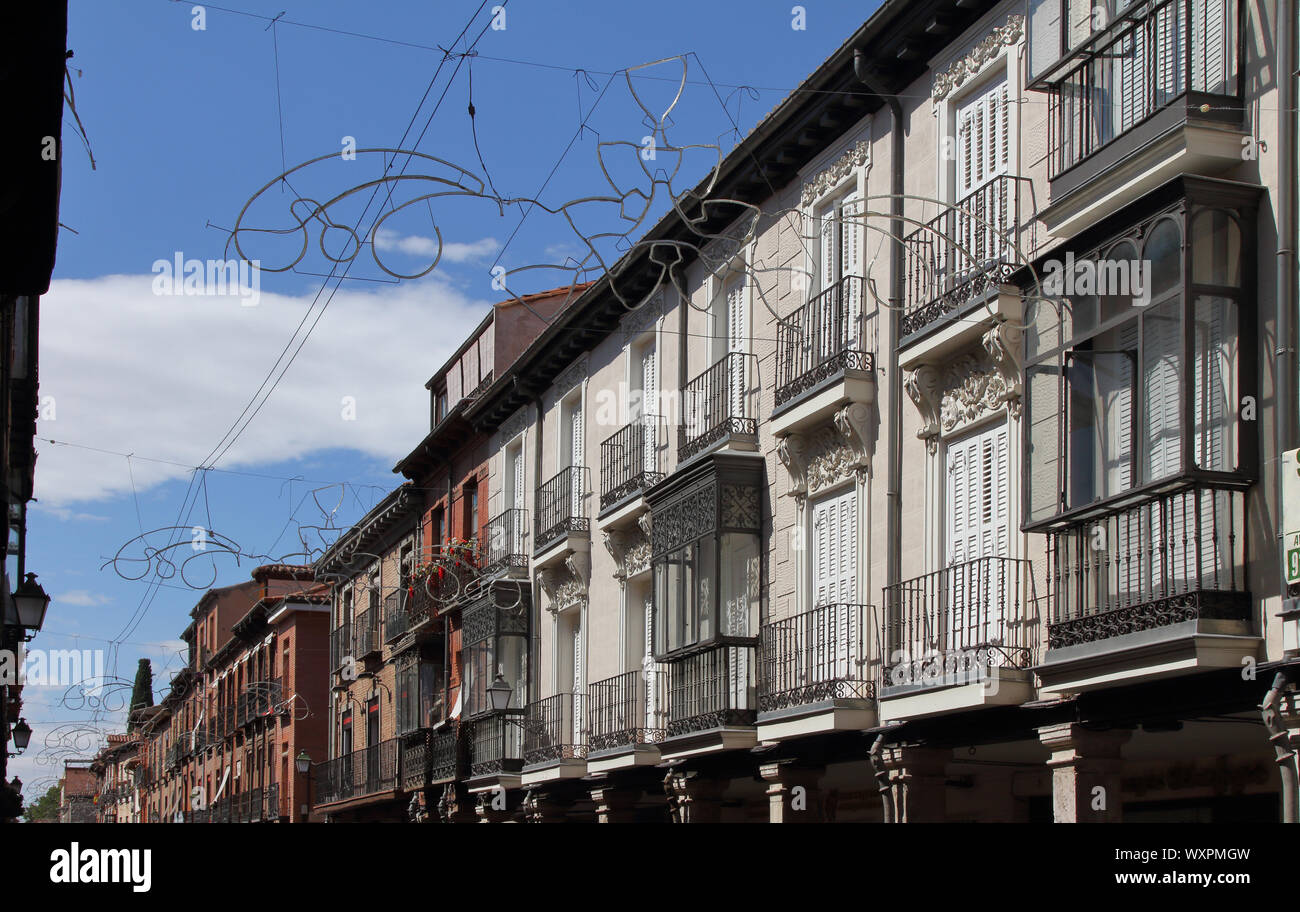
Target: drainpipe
1284, 378
882, 777
1285, 757
894, 470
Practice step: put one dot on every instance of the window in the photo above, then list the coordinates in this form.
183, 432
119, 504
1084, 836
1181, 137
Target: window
419, 700
471, 511
834, 540
1113, 404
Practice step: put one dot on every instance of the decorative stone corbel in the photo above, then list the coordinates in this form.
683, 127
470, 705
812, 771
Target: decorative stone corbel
646, 523
579, 564
925, 388
853, 422
793, 453
616, 544
1003, 342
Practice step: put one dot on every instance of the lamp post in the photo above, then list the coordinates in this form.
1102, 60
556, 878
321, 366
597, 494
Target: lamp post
303, 763
24, 615
22, 735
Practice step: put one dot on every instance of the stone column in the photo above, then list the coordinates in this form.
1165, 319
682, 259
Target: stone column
693, 799
918, 782
793, 794
615, 804
1085, 769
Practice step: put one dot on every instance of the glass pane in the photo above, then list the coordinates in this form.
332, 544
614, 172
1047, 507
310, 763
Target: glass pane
1161, 384
1119, 278
1214, 384
1043, 332
513, 665
1043, 419
1216, 249
740, 576
1101, 389
1164, 253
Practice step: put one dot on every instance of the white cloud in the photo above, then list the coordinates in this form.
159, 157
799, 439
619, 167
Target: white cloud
165, 376
66, 515
82, 598
452, 251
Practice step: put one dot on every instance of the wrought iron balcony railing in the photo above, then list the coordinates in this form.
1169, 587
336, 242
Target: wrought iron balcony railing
628, 709
963, 253
433, 757
632, 460
718, 403
365, 634
950, 626
821, 340
1146, 62
271, 808
816, 656
561, 506
396, 621
711, 689
497, 744
504, 542
368, 771
340, 645
1177, 557
553, 729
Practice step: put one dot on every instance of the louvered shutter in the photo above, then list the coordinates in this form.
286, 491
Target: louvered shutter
649, 671
736, 337
847, 333
575, 459
579, 682
649, 407
1162, 382
826, 257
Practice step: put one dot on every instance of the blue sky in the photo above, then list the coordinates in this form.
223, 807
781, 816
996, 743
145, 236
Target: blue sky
186, 126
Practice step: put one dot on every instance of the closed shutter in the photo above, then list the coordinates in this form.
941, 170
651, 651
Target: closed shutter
826, 271
978, 526
649, 407
575, 459
1162, 381
983, 155
847, 331
578, 680
835, 582
736, 338
1213, 32
649, 671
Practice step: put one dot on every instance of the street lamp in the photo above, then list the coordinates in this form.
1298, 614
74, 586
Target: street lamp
30, 604
499, 693
303, 764
22, 735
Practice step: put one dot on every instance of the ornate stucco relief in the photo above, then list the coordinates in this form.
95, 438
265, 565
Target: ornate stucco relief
978, 57
840, 449
969, 386
827, 178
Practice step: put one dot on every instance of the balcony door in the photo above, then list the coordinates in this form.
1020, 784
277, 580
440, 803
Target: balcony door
514, 530
834, 565
977, 525
645, 406
983, 154
578, 680
574, 456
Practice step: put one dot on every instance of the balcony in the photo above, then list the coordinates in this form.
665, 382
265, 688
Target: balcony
497, 747
711, 701
822, 357
814, 674
1156, 93
340, 645
396, 621
260, 701
627, 717
503, 544
632, 459
367, 772
271, 810
718, 408
1149, 590
366, 641
959, 638
555, 742
561, 508
432, 757
957, 261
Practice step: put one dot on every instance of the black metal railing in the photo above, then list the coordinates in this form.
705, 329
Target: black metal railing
1144, 64
711, 689
717, 404
497, 744
628, 709
433, 757
553, 729
396, 621
561, 506
816, 656
260, 700
1179, 556
821, 340
504, 542
340, 645
964, 252
950, 626
365, 634
420, 605
632, 459
271, 807
367, 771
